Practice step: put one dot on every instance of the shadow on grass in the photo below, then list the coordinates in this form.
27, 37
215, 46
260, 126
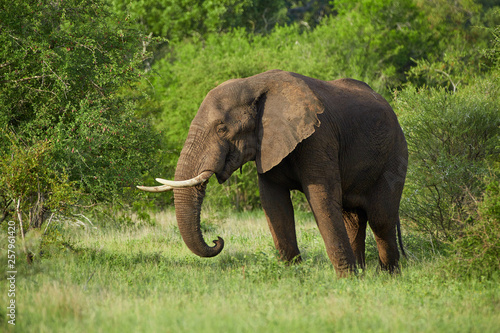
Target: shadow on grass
311, 258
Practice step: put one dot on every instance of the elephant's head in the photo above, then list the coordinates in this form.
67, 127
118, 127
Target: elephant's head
260, 118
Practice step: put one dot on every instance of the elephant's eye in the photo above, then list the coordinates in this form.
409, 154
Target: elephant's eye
221, 129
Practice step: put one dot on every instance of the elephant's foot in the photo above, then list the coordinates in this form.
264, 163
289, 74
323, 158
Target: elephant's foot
346, 265
391, 268
347, 271
292, 260
388, 252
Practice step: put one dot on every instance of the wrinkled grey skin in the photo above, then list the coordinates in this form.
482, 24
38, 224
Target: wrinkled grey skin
338, 142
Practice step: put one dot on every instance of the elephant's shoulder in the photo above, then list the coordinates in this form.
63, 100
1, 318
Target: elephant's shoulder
351, 84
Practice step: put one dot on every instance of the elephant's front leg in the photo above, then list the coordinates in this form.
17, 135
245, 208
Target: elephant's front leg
277, 205
325, 199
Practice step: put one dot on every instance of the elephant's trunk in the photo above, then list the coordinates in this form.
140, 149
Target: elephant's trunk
187, 210
188, 201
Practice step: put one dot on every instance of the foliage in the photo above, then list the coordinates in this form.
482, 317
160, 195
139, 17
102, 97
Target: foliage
447, 194
452, 139
493, 52
62, 67
177, 20
309, 13
477, 250
29, 184
461, 58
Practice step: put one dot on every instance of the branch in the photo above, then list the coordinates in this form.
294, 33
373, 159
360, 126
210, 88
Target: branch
13, 37
448, 77
99, 89
25, 79
19, 215
43, 91
60, 79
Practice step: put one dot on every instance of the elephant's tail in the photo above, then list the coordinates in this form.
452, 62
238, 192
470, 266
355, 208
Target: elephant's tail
400, 239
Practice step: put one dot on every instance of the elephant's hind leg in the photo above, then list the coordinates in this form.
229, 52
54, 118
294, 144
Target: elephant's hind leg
277, 205
384, 230
355, 223
383, 217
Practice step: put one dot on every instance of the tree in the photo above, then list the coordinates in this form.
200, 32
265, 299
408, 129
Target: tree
177, 20
63, 65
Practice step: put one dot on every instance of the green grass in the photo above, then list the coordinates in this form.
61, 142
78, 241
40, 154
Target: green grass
142, 278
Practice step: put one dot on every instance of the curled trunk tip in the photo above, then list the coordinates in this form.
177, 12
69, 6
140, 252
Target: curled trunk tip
217, 248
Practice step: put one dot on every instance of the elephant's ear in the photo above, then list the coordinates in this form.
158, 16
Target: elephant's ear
288, 110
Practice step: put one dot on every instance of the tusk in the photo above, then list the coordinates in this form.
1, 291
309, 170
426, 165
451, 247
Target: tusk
171, 184
201, 178
161, 188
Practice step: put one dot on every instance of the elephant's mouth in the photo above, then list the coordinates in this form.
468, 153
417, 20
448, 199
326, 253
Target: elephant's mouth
234, 162
228, 170
230, 165
223, 176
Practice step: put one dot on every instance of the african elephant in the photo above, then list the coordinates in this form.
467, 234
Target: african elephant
339, 142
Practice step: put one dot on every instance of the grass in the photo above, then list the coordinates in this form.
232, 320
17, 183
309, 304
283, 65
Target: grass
142, 278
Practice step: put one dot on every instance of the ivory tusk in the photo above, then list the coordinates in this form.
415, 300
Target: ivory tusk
201, 178
161, 188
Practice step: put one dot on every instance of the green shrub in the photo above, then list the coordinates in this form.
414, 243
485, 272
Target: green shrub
29, 184
477, 251
453, 139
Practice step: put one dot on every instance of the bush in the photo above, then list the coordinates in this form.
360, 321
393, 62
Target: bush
29, 183
477, 251
453, 139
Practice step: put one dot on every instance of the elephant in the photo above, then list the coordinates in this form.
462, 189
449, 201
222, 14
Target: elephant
338, 142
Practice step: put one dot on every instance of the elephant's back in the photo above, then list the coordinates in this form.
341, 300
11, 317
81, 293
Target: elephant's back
348, 83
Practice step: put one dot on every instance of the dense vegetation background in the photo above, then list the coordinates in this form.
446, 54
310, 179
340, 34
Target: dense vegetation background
97, 96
